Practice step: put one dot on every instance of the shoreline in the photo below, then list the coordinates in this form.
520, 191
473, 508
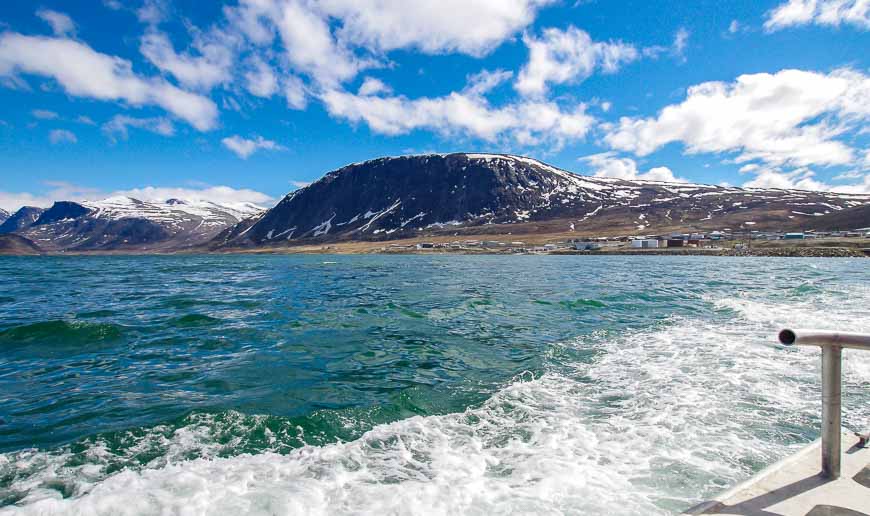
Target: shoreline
338, 249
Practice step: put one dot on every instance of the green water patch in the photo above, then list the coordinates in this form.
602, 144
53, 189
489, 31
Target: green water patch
582, 304
195, 320
61, 332
405, 311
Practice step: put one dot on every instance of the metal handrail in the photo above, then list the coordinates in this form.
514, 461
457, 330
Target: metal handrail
832, 344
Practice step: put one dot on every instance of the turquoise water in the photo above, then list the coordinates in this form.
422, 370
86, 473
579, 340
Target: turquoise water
412, 384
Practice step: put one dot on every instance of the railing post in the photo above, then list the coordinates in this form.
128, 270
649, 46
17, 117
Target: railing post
832, 344
831, 410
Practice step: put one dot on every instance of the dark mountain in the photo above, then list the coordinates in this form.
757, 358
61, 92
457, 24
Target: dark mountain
11, 244
408, 196
21, 219
4, 215
842, 220
122, 223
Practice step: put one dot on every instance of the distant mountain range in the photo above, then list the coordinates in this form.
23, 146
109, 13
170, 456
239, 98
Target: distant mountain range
390, 198
125, 224
3, 215
431, 195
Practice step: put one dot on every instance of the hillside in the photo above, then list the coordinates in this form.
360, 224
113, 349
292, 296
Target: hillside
390, 198
17, 245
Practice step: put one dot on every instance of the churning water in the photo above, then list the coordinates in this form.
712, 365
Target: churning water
407, 385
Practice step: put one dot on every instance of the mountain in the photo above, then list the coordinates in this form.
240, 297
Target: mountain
21, 219
123, 223
842, 220
4, 215
17, 245
406, 196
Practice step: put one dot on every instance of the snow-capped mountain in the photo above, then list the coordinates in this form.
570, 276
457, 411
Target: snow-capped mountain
4, 215
120, 223
22, 218
493, 193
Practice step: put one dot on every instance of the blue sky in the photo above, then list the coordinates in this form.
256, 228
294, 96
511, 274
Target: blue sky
247, 100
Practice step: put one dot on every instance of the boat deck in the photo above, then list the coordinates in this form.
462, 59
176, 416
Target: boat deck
794, 487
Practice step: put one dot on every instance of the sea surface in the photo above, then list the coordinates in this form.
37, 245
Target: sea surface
611, 385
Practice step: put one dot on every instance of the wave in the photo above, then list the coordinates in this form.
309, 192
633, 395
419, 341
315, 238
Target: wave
61, 334
659, 419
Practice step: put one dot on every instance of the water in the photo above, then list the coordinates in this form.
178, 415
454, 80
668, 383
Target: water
414, 384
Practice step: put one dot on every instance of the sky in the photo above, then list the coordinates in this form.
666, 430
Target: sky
247, 100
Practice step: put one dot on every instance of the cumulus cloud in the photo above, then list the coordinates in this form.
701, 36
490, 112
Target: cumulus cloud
792, 117
805, 179
244, 147
294, 92
219, 194
484, 81
832, 13
153, 12
60, 23
118, 126
83, 72
432, 26
332, 41
609, 164
260, 80
211, 67
463, 113
568, 56
373, 86
58, 136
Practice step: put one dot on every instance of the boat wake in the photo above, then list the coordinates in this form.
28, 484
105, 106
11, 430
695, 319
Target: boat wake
647, 422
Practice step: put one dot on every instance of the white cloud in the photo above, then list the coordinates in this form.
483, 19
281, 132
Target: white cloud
373, 86
310, 46
833, 13
118, 126
260, 79
566, 57
243, 147
63, 191
681, 41
464, 113
60, 23
44, 114
803, 178
484, 81
212, 67
81, 71
84, 119
792, 117
677, 49
432, 26
331, 41
218, 194
608, 164
153, 12
294, 92
58, 136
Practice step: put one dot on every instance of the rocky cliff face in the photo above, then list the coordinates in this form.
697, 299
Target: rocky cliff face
21, 219
4, 215
487, 193
122, 223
